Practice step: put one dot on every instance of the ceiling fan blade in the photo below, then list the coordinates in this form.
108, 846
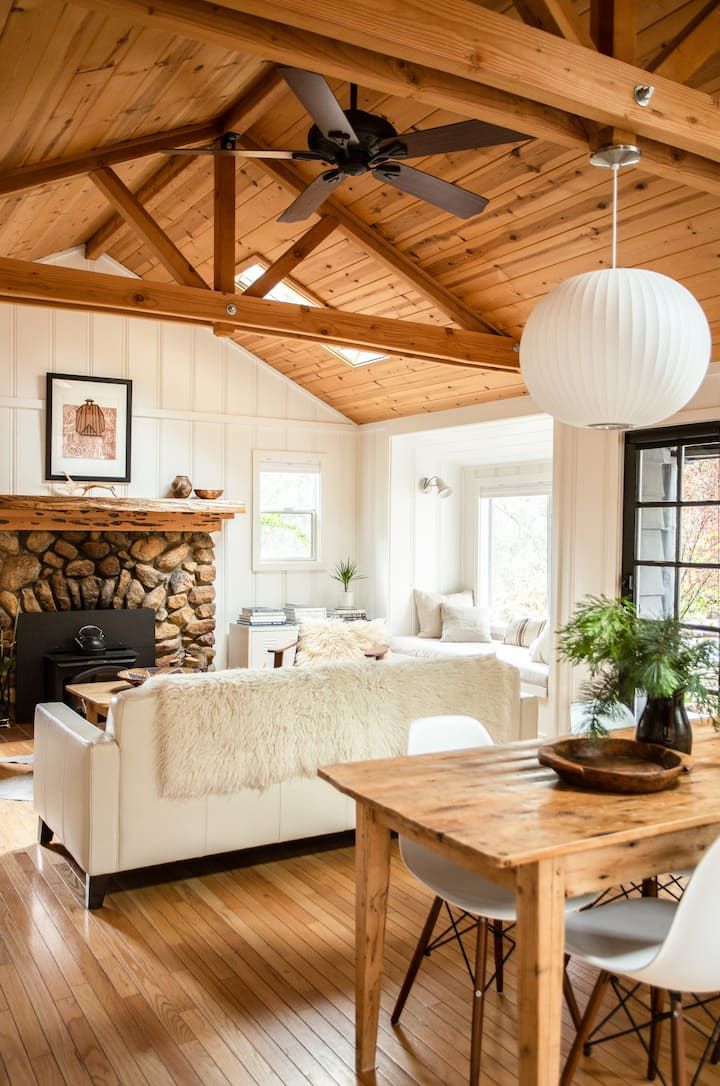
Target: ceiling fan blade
322, 105
442, 194
313, 197
303, 156
464, 136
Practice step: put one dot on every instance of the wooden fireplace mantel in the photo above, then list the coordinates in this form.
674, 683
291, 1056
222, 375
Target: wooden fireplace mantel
35, 512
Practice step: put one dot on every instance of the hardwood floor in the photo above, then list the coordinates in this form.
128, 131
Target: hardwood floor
234, 975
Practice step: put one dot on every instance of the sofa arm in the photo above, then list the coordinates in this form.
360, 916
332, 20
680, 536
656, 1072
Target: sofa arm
528, 716
76, 786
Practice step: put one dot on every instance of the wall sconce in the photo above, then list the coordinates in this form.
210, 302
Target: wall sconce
434, 482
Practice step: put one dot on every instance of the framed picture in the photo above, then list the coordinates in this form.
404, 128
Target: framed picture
87, 428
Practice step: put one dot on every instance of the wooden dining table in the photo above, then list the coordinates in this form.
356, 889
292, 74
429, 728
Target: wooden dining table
498, 812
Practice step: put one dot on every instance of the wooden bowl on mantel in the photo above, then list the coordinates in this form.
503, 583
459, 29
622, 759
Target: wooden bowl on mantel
208, 495
614, 765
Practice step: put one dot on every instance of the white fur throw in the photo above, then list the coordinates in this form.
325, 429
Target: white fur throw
326, 640
220, 732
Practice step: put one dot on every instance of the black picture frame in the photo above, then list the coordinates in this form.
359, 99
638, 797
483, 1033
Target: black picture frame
108, 456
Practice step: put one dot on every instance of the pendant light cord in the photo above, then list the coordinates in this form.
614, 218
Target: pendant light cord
614, 215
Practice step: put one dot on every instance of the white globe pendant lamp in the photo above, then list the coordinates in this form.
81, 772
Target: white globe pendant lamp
615, 348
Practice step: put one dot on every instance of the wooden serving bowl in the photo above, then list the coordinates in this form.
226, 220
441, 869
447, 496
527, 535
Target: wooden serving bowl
614, 765
208, 495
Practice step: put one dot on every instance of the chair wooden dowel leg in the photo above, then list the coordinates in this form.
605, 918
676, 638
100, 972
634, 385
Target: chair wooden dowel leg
677, 1027
569, 994
416, 959
593, 1006
497, 929
478, 1011
657, 1002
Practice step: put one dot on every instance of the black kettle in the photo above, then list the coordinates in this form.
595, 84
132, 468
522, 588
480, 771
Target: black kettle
90, 640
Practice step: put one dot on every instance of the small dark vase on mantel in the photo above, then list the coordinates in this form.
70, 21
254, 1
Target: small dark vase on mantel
664, 721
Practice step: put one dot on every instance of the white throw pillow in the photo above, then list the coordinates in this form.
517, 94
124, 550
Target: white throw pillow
524, 630
541, 648
465, 623
428, 606
331, 639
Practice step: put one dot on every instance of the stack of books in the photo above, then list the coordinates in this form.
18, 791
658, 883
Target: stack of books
304, 612
262, 616
348, 614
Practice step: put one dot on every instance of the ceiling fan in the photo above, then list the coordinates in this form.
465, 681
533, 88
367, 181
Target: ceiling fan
354, 142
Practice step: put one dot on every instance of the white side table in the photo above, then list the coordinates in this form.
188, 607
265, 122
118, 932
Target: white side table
248, 645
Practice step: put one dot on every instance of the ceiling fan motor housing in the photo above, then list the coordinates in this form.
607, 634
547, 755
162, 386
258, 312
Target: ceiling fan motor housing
353, 158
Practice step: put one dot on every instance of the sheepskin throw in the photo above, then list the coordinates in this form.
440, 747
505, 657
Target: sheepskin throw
331, 639
220, 732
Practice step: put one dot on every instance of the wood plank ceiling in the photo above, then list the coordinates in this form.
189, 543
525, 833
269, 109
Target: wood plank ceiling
78, 76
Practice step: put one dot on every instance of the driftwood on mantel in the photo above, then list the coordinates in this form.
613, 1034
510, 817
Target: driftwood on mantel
33, 512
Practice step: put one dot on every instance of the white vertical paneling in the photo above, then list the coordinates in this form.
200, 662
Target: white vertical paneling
270, 393
175, 454
241, 371
29, 452
298, 405
176, 364
71, 341
6, 450
207, 470
143, 348
33, 350
145, 458
107, 345
207, 371
6, 350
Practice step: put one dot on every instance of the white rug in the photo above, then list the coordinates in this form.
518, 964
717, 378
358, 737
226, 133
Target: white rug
218, 733
16, 785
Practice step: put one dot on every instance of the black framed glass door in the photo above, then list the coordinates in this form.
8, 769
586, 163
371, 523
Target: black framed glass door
671, 525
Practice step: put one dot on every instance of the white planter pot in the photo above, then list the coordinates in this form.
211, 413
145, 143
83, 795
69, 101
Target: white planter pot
348, 598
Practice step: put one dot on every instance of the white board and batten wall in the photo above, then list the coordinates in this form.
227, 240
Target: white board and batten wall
201, 406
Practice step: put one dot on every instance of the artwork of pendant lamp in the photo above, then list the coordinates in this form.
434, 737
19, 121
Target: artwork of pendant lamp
615, 348
89, 419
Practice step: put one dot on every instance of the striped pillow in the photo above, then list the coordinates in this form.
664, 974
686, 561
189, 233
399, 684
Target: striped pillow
523, 631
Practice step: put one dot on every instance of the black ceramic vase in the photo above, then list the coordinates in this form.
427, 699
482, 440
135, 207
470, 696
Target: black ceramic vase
665, 722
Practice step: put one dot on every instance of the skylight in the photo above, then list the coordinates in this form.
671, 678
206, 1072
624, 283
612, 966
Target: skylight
284, 292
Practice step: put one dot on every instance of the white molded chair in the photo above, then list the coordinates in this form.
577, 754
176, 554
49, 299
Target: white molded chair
673, 946
455, 885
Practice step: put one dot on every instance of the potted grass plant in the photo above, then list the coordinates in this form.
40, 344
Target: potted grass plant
657, 657
346, 571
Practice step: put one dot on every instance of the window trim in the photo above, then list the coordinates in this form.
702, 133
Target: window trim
290, 461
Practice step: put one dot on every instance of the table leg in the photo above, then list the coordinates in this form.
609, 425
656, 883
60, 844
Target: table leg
91, 714
372, 846
541, 940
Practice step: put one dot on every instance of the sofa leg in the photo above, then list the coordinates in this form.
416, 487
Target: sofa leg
45, 834
95, 890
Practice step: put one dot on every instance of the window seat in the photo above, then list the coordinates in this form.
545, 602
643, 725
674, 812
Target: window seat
533, 676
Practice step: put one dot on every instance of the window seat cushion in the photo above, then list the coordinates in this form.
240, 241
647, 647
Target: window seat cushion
532, 674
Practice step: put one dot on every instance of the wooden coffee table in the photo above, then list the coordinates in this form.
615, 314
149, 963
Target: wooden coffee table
96, 697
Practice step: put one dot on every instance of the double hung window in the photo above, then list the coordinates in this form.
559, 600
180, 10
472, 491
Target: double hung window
287, 494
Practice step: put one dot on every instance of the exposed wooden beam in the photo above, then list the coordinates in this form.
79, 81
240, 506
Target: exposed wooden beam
613, 24
224, 224
687, 53
463, 38
556, 17
100, 241
146, 228
22, 281
374, 243
679, 166
40, 173
290, 259
268, 89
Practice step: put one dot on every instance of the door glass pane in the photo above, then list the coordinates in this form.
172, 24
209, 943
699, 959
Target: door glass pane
699, 601
700, 533
656, 534
701, 473
658, 475
655, 591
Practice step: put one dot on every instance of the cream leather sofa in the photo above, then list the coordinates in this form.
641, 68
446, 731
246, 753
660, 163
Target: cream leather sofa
98, 792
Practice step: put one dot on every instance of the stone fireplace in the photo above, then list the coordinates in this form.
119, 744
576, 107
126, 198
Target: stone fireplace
53, 565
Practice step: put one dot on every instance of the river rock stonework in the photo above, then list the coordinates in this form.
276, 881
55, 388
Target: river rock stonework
170, 572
